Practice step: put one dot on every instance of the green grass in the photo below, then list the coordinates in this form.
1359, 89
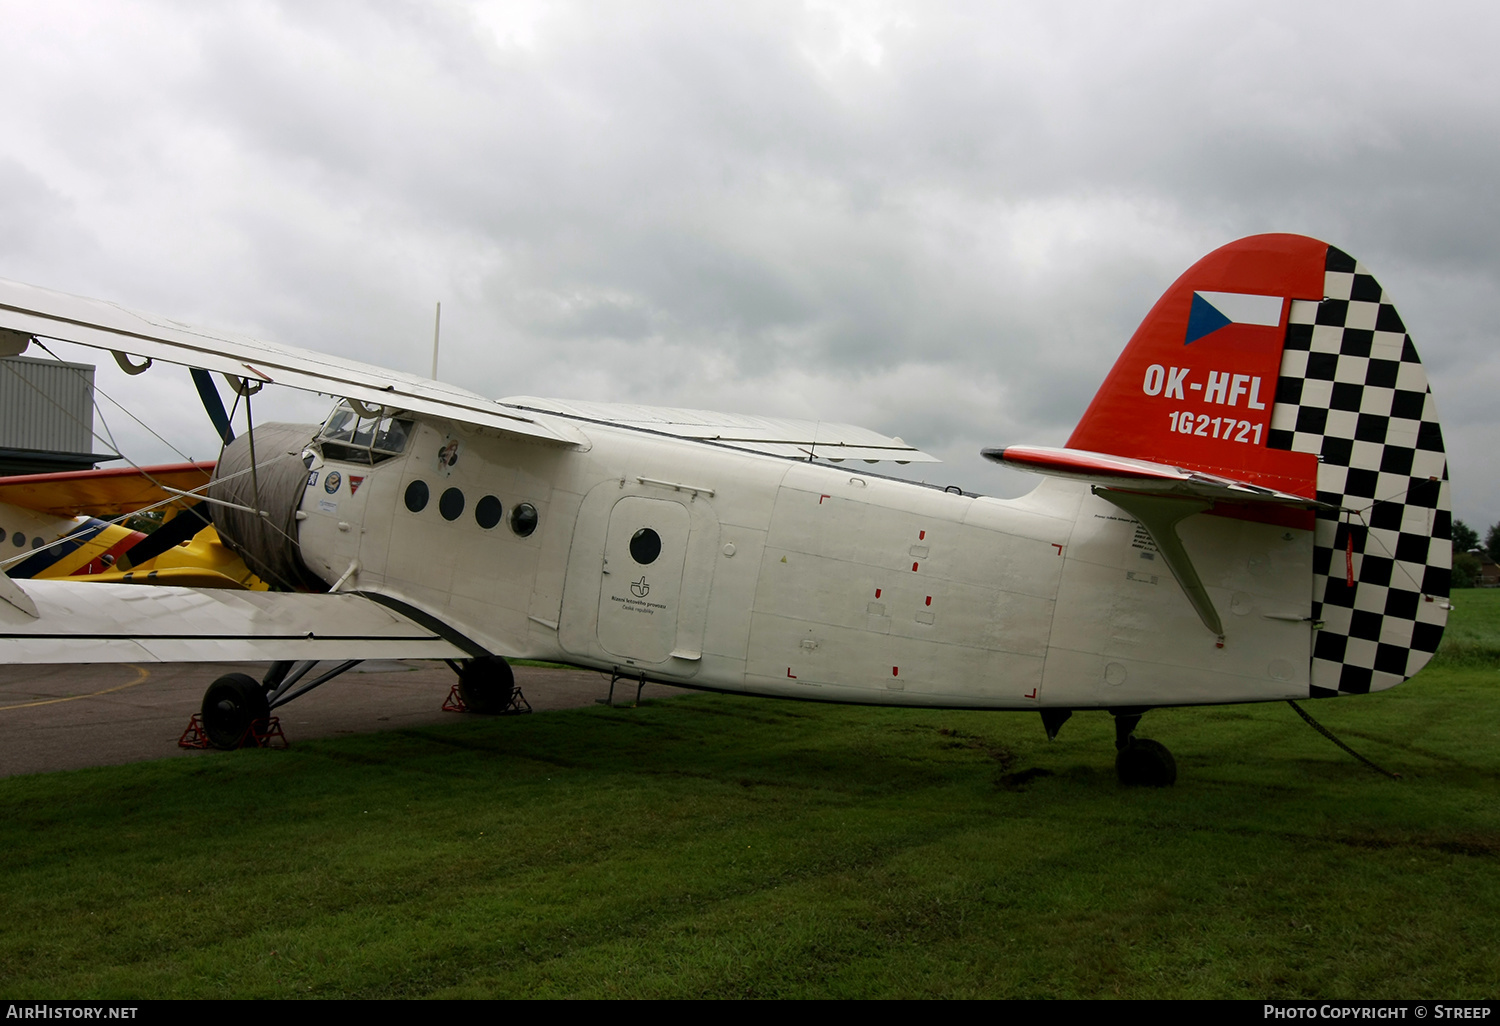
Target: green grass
715, 846
1472, 637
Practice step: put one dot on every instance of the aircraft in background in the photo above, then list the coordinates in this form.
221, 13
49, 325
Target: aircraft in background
55, 518
1254, 507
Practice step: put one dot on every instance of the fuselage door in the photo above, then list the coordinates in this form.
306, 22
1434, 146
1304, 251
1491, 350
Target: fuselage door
640, 583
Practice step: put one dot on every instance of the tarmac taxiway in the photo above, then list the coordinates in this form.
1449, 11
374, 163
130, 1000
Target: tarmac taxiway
57, 717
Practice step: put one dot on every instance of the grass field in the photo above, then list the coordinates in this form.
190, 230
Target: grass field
715, 846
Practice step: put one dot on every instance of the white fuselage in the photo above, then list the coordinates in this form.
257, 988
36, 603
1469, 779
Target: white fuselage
811, 581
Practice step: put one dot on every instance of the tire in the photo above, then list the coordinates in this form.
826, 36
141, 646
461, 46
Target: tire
230, 705
1146, 763
487, 685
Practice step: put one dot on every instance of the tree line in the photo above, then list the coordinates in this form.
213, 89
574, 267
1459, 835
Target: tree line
1468, 553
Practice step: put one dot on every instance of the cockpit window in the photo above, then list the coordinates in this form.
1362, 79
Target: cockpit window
348, 437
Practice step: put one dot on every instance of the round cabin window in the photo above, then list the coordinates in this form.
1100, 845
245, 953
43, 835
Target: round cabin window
523, 519
645, 546
487, 512
416, 496
451, 505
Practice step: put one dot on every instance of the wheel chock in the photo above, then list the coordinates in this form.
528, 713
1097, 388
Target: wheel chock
260, 734
267, 736
455, 701
193, 737
518, 704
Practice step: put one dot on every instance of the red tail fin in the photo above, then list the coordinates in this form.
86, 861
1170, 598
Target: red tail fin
1195, 386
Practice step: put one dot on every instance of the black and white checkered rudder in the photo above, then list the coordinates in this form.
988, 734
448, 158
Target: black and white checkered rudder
1353, 391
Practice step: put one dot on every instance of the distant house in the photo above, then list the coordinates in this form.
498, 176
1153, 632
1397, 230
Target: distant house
1489, 573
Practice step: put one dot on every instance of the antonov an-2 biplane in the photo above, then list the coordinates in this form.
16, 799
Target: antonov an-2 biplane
1254, 507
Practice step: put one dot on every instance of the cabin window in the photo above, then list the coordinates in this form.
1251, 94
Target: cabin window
416, 496
523, 519
645, 546
350, 438
488, 511
451, 504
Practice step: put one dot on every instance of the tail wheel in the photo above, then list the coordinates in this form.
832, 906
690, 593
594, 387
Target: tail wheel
230, 705
487, 684
1146, 763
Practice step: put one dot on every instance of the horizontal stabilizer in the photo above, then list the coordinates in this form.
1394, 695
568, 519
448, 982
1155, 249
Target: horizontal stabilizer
776, 436
32, 311
1159, 497
123, 623
1120, 472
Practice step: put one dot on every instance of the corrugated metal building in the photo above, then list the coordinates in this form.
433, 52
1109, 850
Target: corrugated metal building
46, 416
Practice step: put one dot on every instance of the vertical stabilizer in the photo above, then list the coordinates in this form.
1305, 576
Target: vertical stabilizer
1279, 361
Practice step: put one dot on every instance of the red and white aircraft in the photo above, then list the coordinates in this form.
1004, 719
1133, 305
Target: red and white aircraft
1254, 507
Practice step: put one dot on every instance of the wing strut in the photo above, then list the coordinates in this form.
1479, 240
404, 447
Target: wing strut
209, 393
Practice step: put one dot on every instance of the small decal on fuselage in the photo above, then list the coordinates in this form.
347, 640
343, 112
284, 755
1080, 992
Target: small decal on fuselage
448, 455
332, 481
312, 478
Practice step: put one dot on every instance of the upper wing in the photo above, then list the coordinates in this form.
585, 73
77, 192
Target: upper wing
56, 622
26, 311
776, 436
31, 311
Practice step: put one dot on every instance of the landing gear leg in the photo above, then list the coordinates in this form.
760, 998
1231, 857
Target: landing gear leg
1139, 761
235, 702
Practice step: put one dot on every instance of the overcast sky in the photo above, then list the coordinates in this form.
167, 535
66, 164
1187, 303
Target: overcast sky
938, 221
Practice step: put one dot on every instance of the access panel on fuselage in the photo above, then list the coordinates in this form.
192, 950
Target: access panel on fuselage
878, 591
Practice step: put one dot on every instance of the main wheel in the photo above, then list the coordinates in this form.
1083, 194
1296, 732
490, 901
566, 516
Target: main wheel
230, 705
487, 684
1146, 763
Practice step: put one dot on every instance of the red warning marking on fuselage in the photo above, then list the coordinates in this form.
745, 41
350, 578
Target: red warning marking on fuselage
1057, 547
790, 674
1032, 695
877, 592
921, 535
914, 567
929, 600
895, 671
354, 483
822, 497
